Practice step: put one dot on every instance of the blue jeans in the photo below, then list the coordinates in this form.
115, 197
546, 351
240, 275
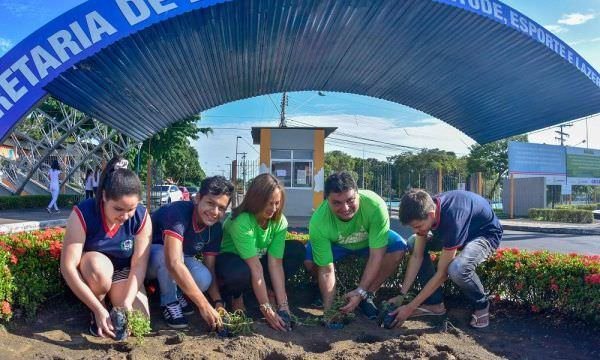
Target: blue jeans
157, 269
461, 271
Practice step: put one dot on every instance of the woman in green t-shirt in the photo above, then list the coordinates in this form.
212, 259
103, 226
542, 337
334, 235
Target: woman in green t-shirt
255, 254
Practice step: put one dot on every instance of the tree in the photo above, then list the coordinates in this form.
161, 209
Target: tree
172, 153
339, 161
492, 159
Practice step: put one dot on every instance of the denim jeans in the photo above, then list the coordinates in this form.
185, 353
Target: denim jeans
461, 271
157, 269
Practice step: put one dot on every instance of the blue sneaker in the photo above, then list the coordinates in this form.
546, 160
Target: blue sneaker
174, 316
186, 307
93, 329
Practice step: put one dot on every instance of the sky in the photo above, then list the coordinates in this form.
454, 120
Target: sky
577, 22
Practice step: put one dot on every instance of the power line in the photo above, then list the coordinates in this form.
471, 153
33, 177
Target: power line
351, 148
251, 146
275, 106
363, 138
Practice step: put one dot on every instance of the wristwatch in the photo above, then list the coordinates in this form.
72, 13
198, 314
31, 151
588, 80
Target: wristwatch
362, 292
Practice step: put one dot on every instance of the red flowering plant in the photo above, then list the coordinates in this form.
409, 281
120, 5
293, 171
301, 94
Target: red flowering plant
33, 261
544, 281
6, 286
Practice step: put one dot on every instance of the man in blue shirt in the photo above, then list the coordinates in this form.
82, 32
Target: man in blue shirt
456, 220
182, 230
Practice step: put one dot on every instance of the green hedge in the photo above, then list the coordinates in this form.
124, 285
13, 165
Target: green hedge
562, 215
579, 207
36, 201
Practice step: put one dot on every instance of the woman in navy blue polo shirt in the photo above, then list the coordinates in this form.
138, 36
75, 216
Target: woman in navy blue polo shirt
106, 247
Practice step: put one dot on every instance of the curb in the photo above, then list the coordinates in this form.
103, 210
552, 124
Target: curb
32, 225
552, 230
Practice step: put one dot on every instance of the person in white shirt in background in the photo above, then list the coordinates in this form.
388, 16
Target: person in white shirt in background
89, 184
54, 187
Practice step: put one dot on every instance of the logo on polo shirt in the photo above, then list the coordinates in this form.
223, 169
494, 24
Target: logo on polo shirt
127, 245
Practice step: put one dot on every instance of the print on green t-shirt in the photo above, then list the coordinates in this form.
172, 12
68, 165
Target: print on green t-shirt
368, 228
244, 237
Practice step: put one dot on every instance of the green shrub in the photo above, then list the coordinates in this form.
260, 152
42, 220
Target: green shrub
36, 201
579, 207
34, 265
6, 285
562, 215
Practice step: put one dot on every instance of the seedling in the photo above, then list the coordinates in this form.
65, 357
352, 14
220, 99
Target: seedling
234, 324
138, 325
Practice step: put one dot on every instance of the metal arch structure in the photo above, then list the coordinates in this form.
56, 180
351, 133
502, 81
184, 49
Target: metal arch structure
77, 141
139, 65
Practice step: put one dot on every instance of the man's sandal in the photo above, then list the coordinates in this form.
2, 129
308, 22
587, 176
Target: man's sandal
420, 311
475, 322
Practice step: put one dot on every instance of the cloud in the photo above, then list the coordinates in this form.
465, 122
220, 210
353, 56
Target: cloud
585, 41
556, 29
5, 45
25, 8
575, 19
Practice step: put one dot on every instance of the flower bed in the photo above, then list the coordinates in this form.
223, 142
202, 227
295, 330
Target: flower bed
539, 280
29, 275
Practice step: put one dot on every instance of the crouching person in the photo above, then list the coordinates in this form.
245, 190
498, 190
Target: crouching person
106, 248
352, 222
255, 255
183, 230
458, 220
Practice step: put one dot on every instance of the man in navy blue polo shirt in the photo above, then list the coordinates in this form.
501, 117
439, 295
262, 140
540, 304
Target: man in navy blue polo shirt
457, 220
182, 230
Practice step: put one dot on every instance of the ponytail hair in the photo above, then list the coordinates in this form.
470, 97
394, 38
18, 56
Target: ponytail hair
117, 181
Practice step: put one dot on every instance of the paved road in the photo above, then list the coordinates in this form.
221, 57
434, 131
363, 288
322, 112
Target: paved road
564, 243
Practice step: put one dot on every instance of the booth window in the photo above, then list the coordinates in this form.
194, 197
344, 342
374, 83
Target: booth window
294, 168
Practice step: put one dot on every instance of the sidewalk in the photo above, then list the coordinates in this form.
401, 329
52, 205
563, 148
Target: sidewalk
529, 225
31, 219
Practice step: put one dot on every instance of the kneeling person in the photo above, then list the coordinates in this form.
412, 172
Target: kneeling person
459, 220
352, 221
255, 254
182, 230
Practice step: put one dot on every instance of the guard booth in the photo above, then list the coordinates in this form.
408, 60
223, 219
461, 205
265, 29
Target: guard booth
296, 156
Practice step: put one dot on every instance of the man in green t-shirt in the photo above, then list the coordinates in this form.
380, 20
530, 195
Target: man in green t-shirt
352, 221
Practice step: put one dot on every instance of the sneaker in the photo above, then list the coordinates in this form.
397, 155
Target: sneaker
57, 211
174, 316
49, 211
93, 329
186, 307
367, 306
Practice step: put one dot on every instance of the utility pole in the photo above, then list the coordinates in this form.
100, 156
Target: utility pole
284, 103
244, 172
562, 135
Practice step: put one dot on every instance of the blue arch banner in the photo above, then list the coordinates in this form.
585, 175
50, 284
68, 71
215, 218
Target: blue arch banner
70, 38
87, 29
